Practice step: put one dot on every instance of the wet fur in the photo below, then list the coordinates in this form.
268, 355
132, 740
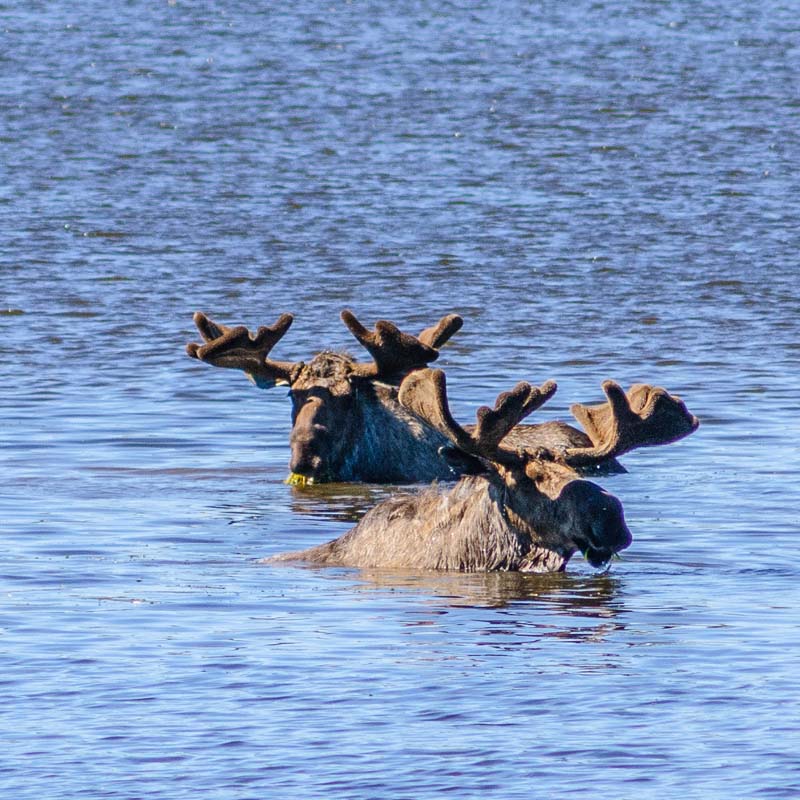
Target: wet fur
467, 528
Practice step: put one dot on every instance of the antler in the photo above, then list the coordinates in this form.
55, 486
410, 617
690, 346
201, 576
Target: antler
424, 392
438, 334
644, 417
395, 352
237, 348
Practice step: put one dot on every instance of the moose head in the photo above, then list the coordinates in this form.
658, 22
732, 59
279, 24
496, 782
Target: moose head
528, 510
346, 421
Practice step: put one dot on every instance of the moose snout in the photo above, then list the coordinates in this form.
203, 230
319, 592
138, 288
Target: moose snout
607, 533
304, 463
606, 540
309, 446
600, 528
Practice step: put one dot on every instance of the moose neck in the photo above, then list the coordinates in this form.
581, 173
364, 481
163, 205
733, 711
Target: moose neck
466, 528
486, 535
547, 549
392, 445
535, 508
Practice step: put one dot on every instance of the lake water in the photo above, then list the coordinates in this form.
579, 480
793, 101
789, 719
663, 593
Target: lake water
601, 189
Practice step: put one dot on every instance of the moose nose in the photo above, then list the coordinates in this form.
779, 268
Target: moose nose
304, 463
604, 532
606, 539
306, 453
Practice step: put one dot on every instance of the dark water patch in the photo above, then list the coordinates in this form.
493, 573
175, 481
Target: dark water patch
84, 314
138, 442
101, 234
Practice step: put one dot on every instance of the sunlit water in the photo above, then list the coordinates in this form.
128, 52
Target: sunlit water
600, 189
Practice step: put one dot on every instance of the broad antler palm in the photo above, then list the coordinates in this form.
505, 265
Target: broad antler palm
644, 417
238, 348
395, 353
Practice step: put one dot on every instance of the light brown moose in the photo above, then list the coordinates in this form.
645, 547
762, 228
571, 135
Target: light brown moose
347, 422
528, 511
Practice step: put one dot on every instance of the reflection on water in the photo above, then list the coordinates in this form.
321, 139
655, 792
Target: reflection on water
562, 593
343, 502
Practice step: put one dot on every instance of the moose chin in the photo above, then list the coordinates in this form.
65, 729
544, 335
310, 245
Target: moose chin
525, 509
348, 423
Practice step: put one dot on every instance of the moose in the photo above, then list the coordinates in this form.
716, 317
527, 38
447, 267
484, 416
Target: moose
527, 510
348, 423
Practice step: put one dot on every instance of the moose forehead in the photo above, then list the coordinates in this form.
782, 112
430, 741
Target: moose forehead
326, 369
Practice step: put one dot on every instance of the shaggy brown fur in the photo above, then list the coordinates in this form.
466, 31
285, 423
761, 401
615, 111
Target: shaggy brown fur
474, 527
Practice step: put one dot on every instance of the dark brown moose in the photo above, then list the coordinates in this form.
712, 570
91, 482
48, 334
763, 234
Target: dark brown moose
528, 511
347, 421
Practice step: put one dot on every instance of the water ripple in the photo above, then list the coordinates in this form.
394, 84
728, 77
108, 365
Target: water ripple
621, 203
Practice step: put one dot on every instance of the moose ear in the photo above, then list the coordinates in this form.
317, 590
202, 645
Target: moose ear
461, 462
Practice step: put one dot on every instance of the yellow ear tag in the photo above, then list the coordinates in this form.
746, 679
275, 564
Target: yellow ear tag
298, 480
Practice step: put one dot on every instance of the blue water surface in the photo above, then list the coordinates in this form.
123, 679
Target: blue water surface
601, 190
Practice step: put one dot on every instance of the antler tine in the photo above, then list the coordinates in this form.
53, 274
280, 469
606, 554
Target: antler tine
393, 351
238, 348
438, 334
644, 417
424, 392
209, 329
509, 410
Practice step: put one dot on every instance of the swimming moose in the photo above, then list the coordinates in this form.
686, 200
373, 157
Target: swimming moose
347, 421
527, 511
347, 424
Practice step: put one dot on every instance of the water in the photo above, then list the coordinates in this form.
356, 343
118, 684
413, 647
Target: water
600, 189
